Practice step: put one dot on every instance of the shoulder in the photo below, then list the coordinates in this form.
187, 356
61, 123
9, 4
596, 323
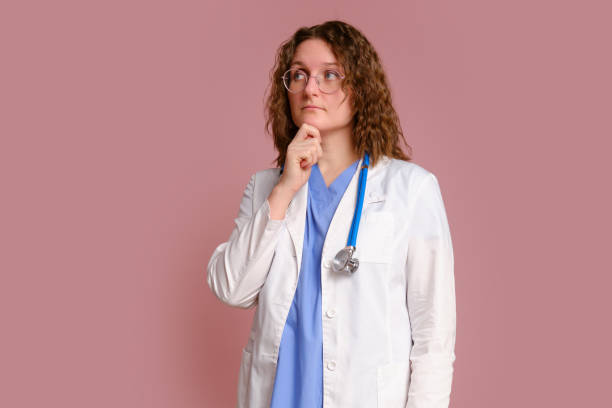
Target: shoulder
262, 183
405, 175
266, 177
408, 168
413, 189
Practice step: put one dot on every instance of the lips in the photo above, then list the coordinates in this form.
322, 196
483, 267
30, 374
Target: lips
311, 107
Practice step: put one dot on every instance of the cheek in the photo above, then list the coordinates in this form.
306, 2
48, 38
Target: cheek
294, 104
294, 109
343, 108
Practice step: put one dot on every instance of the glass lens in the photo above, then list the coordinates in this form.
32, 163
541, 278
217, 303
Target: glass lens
295, 80
330, 81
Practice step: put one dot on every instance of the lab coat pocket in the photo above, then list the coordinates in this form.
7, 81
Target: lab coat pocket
244, 378
393, 384
375, 237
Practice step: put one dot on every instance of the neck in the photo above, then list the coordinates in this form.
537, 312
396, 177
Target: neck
338, 152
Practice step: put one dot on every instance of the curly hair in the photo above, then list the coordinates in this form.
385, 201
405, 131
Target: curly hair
376, 126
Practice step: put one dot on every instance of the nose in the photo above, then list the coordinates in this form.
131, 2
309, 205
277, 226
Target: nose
312, 87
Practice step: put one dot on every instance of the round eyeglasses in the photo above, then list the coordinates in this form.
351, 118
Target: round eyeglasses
295, 80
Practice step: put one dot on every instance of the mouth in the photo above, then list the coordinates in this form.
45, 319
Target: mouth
311, 107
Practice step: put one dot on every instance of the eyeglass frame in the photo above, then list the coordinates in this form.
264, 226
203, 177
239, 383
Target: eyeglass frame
316, 77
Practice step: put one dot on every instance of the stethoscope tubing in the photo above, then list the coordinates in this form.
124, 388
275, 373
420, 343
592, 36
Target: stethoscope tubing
363, 176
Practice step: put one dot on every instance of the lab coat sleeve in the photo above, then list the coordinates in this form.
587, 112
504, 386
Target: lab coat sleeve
430, 299
238, 268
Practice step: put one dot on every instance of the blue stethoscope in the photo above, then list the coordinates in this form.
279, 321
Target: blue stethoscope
344, 261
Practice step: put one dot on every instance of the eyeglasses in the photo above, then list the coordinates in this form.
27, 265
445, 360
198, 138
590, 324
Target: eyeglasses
295, 80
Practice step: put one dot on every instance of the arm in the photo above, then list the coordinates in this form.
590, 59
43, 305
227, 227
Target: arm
431, 300
238, 268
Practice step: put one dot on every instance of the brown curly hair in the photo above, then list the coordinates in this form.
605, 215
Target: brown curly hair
376, 126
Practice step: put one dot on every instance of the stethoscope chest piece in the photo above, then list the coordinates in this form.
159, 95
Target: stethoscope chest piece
344, 261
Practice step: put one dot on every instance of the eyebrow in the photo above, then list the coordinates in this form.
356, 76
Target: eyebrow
325, 63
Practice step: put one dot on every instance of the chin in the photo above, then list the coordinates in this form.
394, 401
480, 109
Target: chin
317, 124
314, 117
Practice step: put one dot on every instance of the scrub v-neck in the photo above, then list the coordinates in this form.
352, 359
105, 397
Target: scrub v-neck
327, 195
299, 373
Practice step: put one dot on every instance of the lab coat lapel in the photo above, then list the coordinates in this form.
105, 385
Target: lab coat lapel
296, 221
340, 223
340, 226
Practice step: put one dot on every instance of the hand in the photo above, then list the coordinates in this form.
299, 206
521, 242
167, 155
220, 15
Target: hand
302, 153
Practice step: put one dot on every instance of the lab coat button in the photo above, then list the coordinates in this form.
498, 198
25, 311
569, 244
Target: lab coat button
331, 313
331, 365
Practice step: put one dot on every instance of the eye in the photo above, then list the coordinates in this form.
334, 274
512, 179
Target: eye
296, 75
332, 75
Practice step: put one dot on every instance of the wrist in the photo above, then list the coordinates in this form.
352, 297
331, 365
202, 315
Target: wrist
283, 191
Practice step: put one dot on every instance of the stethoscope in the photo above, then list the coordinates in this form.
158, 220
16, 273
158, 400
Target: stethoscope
344, 261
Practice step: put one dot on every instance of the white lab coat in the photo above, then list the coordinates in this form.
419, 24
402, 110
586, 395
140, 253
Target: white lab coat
389, 329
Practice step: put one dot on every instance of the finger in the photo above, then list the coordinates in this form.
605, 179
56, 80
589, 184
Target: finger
303, 157
314, 132
310, 131
315, 153
315, 148
311, 158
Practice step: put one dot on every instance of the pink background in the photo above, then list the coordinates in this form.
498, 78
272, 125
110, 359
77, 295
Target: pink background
130, 129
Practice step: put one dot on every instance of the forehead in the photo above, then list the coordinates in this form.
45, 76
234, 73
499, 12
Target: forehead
314, 53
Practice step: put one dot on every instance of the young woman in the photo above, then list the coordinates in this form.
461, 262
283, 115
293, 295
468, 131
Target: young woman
345, 248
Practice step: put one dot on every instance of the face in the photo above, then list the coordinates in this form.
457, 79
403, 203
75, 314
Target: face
334, 110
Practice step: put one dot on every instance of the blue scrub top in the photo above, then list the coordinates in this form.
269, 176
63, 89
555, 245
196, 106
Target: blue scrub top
299, 373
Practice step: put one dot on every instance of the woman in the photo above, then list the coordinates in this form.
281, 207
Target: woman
372, 328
